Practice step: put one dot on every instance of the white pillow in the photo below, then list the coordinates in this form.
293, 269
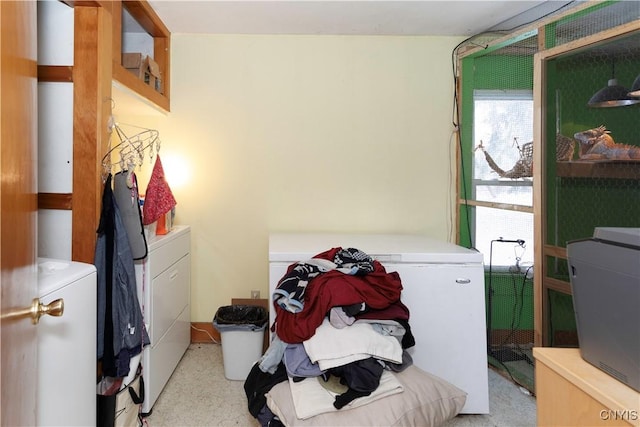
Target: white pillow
427, 400
310, 398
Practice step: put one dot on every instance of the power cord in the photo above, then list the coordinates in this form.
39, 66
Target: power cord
206, 332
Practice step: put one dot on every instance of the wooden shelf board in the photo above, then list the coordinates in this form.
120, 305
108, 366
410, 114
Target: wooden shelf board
617, 169
129, 80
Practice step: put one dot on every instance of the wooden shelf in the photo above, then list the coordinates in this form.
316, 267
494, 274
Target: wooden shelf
134, 84
145, 16
616, 169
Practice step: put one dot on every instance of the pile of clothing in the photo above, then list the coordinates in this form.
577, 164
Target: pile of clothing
340, 333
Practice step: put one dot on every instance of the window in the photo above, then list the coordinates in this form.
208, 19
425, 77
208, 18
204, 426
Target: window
503, 126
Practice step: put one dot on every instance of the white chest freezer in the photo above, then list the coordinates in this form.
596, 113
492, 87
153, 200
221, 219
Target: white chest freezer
443, 287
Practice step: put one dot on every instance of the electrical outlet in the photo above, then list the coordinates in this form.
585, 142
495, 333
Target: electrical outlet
255, 294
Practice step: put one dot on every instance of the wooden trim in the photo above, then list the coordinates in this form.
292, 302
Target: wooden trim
116, 25
161, 53
589, 41
202, 332
494, 205
532, 27
91, 112
542, 36
557, 285
142, 12
55, 73
86, 3
539, 301
554, 251
457, 151
59, 201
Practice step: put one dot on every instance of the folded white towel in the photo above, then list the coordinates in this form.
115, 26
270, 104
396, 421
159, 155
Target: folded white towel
331, 347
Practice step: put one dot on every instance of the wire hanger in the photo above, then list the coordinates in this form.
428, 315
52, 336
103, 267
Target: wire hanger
131, 149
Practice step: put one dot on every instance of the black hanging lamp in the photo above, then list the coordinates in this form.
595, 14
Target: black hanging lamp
635, 88
612, 95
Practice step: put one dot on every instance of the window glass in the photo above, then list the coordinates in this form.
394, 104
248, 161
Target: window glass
503, 124
492, 224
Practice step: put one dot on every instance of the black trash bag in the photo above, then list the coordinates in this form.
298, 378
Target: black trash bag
240, 317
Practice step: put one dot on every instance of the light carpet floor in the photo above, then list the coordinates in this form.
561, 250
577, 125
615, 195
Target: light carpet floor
198, 394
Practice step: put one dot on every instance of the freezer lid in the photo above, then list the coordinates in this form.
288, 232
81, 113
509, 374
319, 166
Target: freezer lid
389, 248
55, 274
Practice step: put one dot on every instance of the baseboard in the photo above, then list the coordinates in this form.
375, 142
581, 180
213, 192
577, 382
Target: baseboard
203, 332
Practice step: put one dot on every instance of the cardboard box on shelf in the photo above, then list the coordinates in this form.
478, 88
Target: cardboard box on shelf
134, 62
152, 74
145, 68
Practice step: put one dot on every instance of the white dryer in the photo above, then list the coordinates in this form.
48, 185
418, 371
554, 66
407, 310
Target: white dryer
443, 287
66, 394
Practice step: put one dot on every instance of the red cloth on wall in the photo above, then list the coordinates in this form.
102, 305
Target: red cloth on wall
158, 199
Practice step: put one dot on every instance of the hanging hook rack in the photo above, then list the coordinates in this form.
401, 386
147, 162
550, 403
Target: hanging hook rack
131, 150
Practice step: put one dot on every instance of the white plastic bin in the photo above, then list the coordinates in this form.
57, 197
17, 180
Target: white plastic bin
241, 330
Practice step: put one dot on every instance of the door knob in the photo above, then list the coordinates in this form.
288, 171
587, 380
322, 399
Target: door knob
37, 310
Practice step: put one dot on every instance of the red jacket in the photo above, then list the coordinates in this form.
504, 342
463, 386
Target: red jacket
378, 290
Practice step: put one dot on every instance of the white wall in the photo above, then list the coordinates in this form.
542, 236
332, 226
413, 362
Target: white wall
302, 133
55, 128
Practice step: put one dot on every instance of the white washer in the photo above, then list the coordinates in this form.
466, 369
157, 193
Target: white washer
443, 287
66, 394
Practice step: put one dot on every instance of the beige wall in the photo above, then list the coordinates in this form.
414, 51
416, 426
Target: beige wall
302, 133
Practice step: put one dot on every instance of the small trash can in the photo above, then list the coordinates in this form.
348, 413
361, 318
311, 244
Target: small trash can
241, 330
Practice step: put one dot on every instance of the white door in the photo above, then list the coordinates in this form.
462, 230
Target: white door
18, 209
